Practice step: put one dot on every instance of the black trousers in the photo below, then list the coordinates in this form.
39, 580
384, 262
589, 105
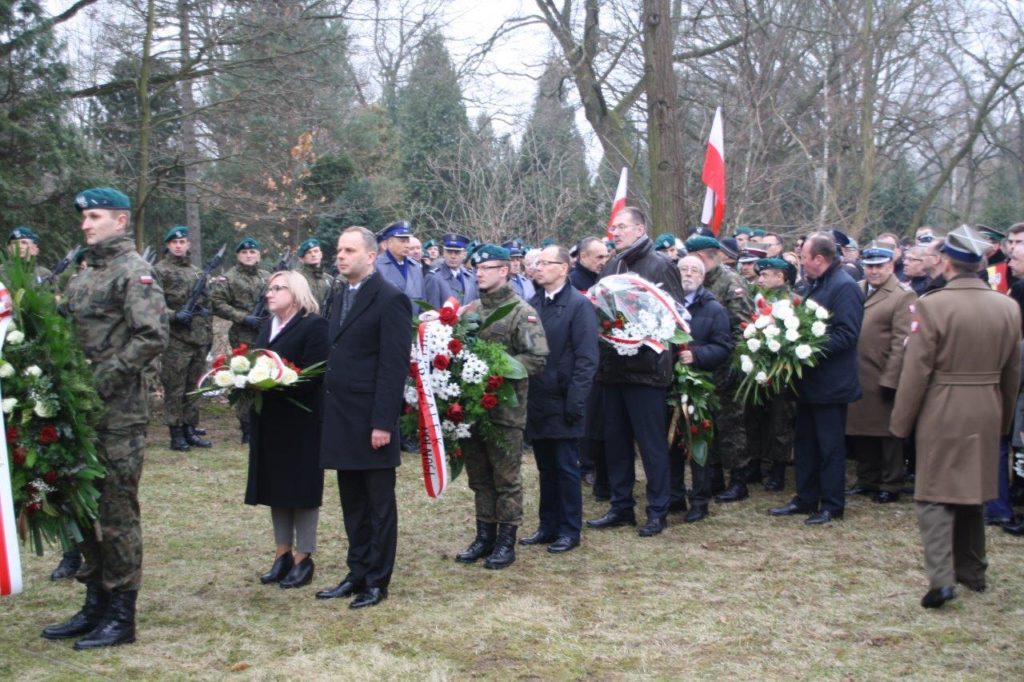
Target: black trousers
371, 524
635, 412
820, 449
561, 500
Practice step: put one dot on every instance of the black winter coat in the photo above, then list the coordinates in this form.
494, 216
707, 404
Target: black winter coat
558, 395
709, 326
581, 278
284, 446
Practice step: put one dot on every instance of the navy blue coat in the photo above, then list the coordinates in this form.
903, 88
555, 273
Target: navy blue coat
835, 379
581, 278
570, 325
709, 326
441, 283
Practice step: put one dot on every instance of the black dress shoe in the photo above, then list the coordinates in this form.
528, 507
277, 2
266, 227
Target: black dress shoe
1015, 528
539, 538
653, 527
564, 543
346, 588
973, 587
859, 490
734, 493
886, 496
822, 517
774, 485
788, 510
613, 519
936, 597
370, 596
279, 570
300, 575
698, 513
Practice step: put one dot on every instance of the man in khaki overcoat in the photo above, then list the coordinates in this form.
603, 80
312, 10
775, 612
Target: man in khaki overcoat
887, 305
958, 384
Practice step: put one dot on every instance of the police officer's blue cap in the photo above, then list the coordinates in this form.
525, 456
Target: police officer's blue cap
454, 240
664, 241
966, 245
305, 246
701, 243
515, 248
23, 232
176, 232
103, 197
400, 228
247, 243
489, 252
876, 254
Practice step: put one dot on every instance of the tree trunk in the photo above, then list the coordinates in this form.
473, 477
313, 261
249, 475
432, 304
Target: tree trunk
145, 130
189, 150
867, 120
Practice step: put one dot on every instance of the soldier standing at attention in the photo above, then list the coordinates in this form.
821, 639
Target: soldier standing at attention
493, 466
191, 335
311, 257
121, 320
234, 298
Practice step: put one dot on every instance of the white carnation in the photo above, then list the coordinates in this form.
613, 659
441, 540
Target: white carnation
411, 396
239, 381
761, 378
33, 371
772, 331
774, 346
223, 378
240, 364
818, 328
289, 376
749, 332
462, 431
746, 364
9, 404
763, 321
6, 370
792, 322
690, 409
821, 313
448, 426
792, 335
754, 345
15, 337
803, 351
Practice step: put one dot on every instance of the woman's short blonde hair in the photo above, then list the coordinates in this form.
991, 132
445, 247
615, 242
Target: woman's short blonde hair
299, 287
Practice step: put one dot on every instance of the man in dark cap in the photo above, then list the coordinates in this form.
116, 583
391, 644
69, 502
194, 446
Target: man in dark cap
451, 278
311, 258
121, 321
394, 265
665, 244
742, 236
748, 260
520, 284
729, 251
957, 388
431, 253
24, 242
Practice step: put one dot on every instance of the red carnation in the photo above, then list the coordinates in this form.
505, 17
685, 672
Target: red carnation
796, 300
455, 346
441, 361
693, 430
618, 324
606, 325
18, 455
12, 434
457, 454
50, 477
219, 361
454, 413
241, 349
33, 508
705, 424
489, 401
413, 371
48, 434
408, 408
744, 324
449, 316
495, 382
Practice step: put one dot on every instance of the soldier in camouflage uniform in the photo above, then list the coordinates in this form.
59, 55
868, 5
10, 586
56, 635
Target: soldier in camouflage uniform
121, 320
311, 258
729, 447
234, 297
191, 334
494, 467
24, 242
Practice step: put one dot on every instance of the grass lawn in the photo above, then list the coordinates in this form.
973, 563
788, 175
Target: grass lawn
741, 596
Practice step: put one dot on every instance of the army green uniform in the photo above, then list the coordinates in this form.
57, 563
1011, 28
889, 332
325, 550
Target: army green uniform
121, 319
319, 281
185, 359
234, 296
494, 467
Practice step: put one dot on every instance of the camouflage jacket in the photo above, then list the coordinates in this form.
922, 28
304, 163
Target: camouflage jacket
121, 319
731, 291
319, 281
234, 294
523, 337
177, 275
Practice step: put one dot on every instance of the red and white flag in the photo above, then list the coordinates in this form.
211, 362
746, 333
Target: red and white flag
714, 177
10, 558
619, 202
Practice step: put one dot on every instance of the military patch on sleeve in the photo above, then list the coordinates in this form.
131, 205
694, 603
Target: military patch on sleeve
532, 319
738, 292
913, 326
145, 280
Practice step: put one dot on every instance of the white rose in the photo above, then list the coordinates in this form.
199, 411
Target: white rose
749, 332
240, 364
265, 363
689, 409
821, 313
792, 322
803, 351
239, 381
289, 377
818, 328
33, 371
761, 378
6, 370
754, 345
772, 331
763, 321
258, 374
15, 337
43, 410
774, 346
746, 364
8, 405
792, 335
223, 378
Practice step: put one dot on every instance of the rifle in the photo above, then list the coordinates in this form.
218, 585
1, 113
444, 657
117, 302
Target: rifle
260, 309
149, 255
62, 265
191, 306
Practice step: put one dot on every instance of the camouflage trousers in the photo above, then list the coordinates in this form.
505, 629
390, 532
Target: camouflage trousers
494, 470
113, 554
729, 446
180, 368
770, 430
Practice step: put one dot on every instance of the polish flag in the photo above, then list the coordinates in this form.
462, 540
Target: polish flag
10, 558
714, 177
620, 200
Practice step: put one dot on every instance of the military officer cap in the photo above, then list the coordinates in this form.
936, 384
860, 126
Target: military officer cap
575, 250
103, 197
701, 243
176, 232
744, 230
752, 253
730, 247
23, 232
400, 228
876, 254
664, 241
305, 246
454, 240
991, 233
966, 245
489, 252
701, 232
515, 248
247, 243
757, 233
773, 264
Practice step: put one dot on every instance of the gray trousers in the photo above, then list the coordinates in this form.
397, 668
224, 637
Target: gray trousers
295, 527
954, 543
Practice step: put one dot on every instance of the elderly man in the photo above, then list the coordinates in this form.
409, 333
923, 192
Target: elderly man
824, 391
593, 254
887, 306
958, 386
451, 278
395, 266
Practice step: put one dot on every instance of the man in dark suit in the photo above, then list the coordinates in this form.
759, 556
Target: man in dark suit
370, 341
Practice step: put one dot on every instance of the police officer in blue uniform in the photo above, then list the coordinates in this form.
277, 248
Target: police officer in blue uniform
517, 280
394, 263
451, 278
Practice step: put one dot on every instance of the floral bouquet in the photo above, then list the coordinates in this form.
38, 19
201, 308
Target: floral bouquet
250, 372
693, 396
781, 339
634, 313
456, 382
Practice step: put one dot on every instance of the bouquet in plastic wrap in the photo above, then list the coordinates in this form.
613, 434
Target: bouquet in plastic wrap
635, 313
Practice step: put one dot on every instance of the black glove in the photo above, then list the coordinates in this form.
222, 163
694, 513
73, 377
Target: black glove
252, 321
183, 317
888, 394
572, 417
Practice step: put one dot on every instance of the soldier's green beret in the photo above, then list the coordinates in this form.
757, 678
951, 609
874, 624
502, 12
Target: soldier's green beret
103, 197
247, 243
757, 233
23, 232
772, 264
305, 246
744, 230
430, 242
176, 232
664, 241
546, 243
489, 252
694, 244
472, 246
991, 232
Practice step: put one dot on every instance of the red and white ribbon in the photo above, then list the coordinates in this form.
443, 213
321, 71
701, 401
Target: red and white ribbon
435, 463
10, 556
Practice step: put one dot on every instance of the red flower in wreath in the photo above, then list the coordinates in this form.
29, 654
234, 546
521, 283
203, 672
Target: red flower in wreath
441, 361
694, 430
455, 346
220, 361
705, 424
618, 324
241, 349
606, 325
19, 455
489, 401
454, 413
33, 508
448, 316
48, 434
413, 372
12, 434
50, 477
796, 300
457, 454
495, 382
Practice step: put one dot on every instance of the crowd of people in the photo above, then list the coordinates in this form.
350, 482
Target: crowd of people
919, 382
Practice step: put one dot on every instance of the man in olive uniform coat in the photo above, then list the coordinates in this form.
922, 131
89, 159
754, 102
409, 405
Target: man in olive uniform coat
958, 386
121, 322
191, 334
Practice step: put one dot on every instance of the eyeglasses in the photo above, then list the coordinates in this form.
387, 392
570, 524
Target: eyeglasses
490, 267
545, 263
688, 268
276, 288
621, 226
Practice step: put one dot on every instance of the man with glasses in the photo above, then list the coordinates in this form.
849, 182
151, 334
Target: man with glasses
636, 388
915, 270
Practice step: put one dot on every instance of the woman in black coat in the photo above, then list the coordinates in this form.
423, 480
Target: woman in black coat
284, 449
